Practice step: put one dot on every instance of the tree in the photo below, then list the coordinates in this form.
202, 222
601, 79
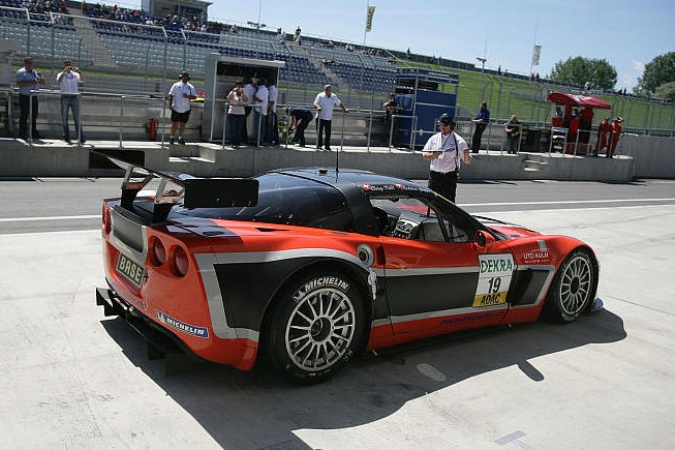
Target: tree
659, 71
666, 92
598, 73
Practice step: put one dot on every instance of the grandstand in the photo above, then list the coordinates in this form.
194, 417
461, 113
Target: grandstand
129, 51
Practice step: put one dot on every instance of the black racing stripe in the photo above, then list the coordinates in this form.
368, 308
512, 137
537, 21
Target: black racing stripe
427, 293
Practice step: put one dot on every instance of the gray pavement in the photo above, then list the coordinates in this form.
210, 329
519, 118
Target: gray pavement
71, 378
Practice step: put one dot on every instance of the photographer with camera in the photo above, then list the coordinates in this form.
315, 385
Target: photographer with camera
236, 113
28, 79
70, 80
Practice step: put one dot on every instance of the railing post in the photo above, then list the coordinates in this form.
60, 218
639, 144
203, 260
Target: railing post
121, 119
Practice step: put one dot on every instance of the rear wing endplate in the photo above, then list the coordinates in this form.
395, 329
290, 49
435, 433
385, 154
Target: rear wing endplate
175, 187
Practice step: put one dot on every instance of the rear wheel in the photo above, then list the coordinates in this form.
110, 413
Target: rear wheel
572, 289
316, 327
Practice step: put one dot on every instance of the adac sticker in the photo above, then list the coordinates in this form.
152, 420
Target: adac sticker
494, 280
182, 327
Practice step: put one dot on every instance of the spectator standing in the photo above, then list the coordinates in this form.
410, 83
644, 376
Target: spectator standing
604, 130
390, 109
300, 118
298, 38
262, 97
324, 103
446, 150
27, 78
179, 100
236, 113
481, 120
513, 134
616, 130
272, 112
70, 80
249, 90
585, 123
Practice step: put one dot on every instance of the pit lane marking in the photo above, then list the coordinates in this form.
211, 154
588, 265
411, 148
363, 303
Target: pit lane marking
39, 219
572, 202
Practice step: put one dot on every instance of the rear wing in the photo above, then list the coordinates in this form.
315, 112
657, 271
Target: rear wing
175, 187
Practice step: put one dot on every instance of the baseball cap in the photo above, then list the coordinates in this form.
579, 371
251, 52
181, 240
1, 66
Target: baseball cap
445, 119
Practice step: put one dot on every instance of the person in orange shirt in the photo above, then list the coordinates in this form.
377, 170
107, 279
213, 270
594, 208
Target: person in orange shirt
616, 134
603, 130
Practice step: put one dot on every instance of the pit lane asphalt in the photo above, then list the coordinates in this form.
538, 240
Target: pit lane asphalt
71, 378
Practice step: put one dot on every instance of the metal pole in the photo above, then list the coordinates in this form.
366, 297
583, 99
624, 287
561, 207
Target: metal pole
121, 119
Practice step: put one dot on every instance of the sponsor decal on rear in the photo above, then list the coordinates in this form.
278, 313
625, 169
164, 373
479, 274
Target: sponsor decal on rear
183, 327
132, 271
494, 279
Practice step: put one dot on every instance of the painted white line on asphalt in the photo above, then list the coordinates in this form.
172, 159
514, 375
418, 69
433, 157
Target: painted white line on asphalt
571, 202
36, 219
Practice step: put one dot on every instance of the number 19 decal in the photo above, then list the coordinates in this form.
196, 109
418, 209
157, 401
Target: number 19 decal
494, 279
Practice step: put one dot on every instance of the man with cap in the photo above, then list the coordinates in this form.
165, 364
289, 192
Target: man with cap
616, 131
446, 150
180, 95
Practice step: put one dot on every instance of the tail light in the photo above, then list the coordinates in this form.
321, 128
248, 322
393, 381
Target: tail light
106, 220
158, 255
181, 263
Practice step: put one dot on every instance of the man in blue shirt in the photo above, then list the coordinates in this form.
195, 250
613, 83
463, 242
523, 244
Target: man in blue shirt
481, 120
28, 79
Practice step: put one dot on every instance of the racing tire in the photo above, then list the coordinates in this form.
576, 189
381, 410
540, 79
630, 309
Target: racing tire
316, 327
573, 288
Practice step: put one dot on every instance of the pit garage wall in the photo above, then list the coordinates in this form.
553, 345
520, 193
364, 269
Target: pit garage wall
654, 156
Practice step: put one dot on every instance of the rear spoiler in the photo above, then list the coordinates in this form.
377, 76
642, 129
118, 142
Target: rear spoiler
173, 186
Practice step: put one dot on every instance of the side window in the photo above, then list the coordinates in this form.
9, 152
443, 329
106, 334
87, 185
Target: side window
413, 218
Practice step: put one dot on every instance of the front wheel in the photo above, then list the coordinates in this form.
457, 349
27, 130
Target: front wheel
316, 327
572, 289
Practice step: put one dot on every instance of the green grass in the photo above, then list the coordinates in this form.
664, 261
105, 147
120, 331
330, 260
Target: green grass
506, 96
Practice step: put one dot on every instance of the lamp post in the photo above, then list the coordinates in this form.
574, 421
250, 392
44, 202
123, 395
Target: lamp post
482, 77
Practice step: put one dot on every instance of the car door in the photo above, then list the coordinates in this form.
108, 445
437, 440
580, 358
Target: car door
443, 280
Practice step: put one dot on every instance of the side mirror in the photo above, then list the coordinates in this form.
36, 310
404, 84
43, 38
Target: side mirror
483, 240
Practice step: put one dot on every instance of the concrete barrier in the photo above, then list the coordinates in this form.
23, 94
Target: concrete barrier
51, 158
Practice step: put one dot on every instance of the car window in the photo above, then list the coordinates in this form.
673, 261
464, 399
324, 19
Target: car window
417, 218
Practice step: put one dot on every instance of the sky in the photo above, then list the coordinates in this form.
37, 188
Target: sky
626, 33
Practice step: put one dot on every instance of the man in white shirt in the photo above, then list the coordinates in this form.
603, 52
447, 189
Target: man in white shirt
272, 112
324, 103
70, 80
249, 91
180, 95
261, 98
446, 151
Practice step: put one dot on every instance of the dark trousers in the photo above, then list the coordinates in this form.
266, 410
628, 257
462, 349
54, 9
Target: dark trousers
236, 122
274, 125
477, 135
24, 111
244, 130
300, 130
323, 126
444, 184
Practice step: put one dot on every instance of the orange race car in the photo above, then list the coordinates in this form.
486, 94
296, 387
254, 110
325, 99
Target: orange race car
302, 269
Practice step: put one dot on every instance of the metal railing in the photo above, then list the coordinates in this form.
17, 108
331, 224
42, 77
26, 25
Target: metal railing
122, 99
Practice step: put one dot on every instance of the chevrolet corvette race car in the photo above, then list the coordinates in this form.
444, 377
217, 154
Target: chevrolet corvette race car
302, 269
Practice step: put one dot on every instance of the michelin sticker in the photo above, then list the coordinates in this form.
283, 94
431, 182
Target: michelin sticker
494, 279
181, 326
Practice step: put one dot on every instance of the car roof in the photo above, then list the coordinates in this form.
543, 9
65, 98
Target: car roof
344, 178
